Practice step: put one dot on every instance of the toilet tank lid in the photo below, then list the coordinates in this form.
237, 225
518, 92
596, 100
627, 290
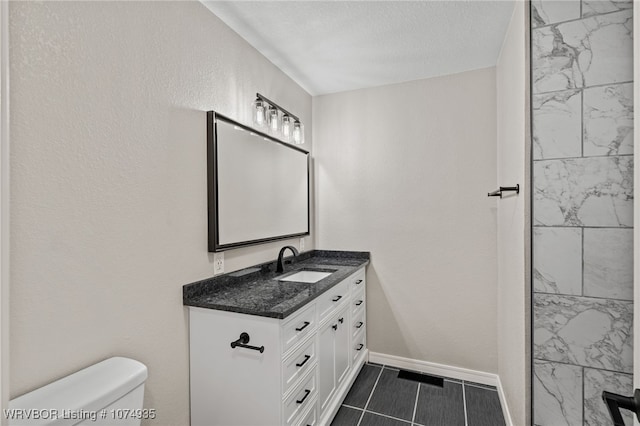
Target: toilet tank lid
90, 389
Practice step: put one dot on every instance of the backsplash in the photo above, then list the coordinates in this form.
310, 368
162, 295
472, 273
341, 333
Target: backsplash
582, 107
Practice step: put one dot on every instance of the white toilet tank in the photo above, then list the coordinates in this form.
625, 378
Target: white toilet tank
110, 392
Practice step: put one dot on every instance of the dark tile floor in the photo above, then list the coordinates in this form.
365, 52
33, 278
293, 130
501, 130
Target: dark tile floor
379, 398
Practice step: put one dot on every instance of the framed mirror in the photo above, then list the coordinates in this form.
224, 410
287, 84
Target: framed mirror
258, 186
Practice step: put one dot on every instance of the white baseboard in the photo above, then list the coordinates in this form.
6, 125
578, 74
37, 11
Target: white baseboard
453, 372
503, 403
437, 369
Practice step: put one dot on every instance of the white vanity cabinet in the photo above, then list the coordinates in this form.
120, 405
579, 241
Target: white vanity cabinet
309, 361
333, 358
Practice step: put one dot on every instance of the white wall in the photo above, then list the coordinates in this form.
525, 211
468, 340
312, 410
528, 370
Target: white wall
4, 208
513, 219
108, 181
403, 171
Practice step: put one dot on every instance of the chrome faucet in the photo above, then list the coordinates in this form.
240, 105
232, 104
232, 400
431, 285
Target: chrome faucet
280, 264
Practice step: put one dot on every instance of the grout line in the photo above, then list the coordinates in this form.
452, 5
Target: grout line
388, 416
373, 412
581, 366
352, 407
581, 18
581, 120
415, 406
538, 226
581, 296
582, 226
540, 160
464, 404
370, 395
575, 89
583, 401
582, 261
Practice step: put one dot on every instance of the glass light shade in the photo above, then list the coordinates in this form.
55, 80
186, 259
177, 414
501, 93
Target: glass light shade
287, 128
259, 117
298, 133
273, 117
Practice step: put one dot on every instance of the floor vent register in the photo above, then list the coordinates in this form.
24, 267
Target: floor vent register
422, 378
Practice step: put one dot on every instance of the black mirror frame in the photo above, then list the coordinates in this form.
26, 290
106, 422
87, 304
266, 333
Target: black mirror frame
212, 186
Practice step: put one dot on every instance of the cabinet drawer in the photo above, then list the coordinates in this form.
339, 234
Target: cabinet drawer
358, 323
357, 280
331, 299
311, 419
359, 345
303, 396
358, 301
298, 364
298, 327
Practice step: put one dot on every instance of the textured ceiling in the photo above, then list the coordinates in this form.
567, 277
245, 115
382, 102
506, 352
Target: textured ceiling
333, 46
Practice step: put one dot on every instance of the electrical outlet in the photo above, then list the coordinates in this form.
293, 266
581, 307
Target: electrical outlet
301, 245
218, 263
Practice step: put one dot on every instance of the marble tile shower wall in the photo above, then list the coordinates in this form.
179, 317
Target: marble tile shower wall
582, 72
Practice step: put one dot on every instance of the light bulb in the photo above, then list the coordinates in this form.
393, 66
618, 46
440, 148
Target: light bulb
274, 120
259, 117
286, 128
298, 133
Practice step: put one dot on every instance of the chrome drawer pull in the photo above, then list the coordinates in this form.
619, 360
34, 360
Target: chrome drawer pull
306, 324
307, 392
306, 358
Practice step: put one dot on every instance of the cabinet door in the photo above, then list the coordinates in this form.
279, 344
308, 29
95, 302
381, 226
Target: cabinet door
333, 354
219, 374
341, 345
326, 362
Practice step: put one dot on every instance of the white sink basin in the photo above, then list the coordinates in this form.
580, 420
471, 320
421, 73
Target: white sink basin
306, 276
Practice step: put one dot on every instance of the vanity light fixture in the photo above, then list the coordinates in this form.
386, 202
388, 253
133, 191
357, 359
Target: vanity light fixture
280, 122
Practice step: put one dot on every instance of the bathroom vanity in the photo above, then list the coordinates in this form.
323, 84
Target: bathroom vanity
269, 348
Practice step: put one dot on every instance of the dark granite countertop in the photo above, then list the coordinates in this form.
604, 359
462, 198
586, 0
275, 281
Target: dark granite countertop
255, 291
